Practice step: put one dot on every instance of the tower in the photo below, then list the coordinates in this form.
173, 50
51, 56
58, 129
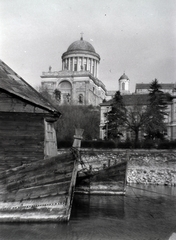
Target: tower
124, 84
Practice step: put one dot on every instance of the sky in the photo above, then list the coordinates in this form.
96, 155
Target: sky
137, 37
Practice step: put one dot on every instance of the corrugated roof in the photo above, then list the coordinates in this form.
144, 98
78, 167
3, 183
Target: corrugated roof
14, 84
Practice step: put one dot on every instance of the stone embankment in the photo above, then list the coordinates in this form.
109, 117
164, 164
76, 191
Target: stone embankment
144, 166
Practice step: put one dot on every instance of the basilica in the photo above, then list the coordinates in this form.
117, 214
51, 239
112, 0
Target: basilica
77, 83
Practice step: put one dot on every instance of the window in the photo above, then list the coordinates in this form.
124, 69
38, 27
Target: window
80, 98
123, 86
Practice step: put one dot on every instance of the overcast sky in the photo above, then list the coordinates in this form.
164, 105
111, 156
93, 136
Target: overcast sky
135, 36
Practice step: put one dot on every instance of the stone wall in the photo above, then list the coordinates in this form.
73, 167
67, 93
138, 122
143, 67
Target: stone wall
144, 166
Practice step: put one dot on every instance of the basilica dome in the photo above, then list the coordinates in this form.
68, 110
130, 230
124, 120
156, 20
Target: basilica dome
81, 45
81, 48
81, 57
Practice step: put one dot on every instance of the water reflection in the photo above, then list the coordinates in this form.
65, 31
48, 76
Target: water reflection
86, 206
145, 213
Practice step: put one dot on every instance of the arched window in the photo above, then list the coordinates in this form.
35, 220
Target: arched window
123, 86
80, 98
65, 88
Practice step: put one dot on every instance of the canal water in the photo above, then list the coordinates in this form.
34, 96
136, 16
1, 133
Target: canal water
145, 213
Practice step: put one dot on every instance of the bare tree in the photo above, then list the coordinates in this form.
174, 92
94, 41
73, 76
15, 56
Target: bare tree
86, 117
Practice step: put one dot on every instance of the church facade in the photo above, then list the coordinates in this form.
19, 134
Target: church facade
77, 83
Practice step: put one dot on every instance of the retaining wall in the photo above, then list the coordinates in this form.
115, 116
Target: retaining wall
144, 166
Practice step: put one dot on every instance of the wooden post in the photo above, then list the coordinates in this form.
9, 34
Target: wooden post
78, 137
109, 162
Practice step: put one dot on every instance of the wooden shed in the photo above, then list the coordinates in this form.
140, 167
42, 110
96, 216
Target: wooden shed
26, 122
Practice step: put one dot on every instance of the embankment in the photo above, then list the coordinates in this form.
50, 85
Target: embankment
144, 166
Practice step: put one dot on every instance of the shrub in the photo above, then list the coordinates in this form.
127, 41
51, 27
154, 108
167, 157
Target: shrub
64, 144
167, 144
148, 144
126, 144
98, 144
86, 144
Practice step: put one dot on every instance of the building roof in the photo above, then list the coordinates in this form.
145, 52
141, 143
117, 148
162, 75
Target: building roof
124, 76
12, 83
81, 45
130, 99
147, 85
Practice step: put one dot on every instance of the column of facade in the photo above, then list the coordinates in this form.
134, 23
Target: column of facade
86, 59
82, 63
78, 65
97, 69
93, 68
88, 64
68, 63
72, 63
91, 65
95, 62
62, 64
77, 59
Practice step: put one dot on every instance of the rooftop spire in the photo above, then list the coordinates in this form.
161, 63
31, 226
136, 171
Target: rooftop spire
81, 36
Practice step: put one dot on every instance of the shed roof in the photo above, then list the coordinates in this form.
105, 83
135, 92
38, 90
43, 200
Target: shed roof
14, 84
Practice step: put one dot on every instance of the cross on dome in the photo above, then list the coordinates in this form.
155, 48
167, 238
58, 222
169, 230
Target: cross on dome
81, 35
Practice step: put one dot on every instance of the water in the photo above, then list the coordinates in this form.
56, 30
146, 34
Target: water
145, 213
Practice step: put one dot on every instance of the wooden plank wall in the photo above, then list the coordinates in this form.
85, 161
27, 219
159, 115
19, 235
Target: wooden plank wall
9, 103
21, 138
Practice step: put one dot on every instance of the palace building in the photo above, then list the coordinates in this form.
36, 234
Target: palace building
140, 98
78, 81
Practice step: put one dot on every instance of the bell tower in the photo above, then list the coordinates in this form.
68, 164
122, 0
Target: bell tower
124, 84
